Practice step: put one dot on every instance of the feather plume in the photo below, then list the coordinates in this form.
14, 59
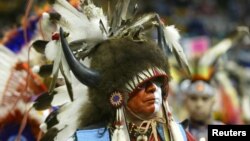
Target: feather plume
65, 69
73, 20
67, 124
43, 101
220, 48
60, 121
67, 82
172, 38
39, 46
58, 97
118, 135
173, 126
7, 62
44, 70
245, 107
50, 135
51, 50
119, 14
47, 27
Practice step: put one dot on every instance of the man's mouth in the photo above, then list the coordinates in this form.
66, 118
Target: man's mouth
153, 100
149, 100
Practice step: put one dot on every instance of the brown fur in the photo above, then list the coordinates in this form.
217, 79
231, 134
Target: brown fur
118, 61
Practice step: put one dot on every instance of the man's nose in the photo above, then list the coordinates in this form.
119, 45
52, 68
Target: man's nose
151, 87
199, 103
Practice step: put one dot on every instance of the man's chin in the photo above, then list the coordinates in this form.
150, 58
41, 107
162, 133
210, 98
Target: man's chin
199, 117
149, 115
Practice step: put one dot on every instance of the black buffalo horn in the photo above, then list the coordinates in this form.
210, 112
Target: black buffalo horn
84, 74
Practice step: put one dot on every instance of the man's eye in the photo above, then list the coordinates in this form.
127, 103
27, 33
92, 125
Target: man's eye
140, 87
159, 85
193, 98
205, 98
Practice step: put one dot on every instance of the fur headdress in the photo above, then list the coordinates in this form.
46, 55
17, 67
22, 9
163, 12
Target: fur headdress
120, 58
120, 62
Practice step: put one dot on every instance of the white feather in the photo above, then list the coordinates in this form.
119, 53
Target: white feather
79, 90
172, 38
77, 24
8, 58
211, 55
22, 107
71, 139
63, 7
7, 62
67, 132
43, 127
245, 107
4, 110
57, 60
67, 122
118, 135
174, 127
5, 72
35, 69
47, 27
61, 97
73, 21
66, 68
51, 50
220, 48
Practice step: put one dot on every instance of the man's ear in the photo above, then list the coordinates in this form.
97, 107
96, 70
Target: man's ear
165, 89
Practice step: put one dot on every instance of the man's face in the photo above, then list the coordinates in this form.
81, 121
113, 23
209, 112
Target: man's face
199, 106
147, 100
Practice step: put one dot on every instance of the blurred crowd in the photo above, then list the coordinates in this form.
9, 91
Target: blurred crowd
213, 18
203, 25
217, 27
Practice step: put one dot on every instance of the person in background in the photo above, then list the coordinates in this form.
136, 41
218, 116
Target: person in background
199, 102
